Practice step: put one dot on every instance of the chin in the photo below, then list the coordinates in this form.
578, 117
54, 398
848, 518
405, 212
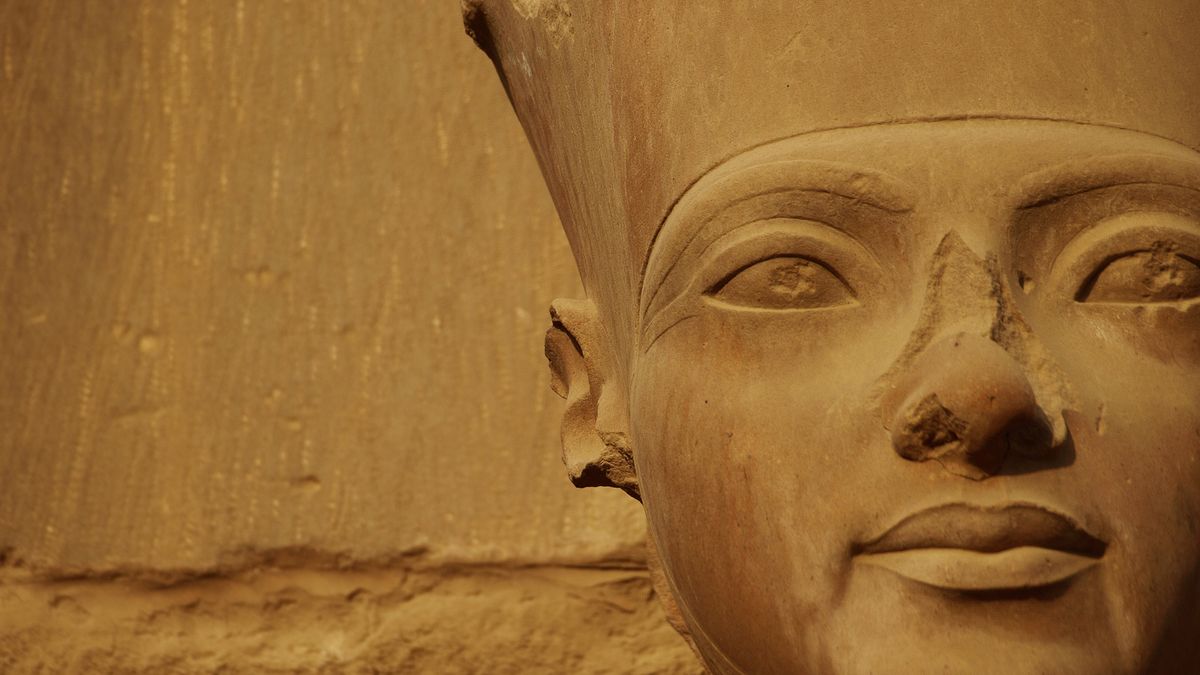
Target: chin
884, 623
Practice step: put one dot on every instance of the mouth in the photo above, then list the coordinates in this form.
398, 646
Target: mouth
962, 547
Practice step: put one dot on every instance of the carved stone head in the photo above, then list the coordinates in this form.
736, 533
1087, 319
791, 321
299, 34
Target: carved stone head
893, 318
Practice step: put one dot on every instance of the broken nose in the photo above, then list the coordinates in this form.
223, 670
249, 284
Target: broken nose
967, 404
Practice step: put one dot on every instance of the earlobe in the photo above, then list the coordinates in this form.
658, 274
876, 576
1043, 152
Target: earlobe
595, 439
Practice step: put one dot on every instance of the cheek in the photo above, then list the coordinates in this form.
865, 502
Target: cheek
1141, 461
1139, 457
1139, 369
1141, 454
748, 442
1164, 334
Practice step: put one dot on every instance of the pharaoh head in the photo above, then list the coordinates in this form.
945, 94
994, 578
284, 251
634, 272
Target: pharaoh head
892, 319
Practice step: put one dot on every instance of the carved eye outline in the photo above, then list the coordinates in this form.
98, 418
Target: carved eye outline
757, 241
831, 252
728, 291
1095, 285
1085, 260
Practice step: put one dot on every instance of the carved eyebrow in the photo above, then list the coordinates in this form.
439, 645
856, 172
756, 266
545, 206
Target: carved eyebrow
715, 194
1069, 179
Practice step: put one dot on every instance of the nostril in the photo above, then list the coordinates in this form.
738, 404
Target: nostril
927, 430
964, 442
1031, 435
967, 404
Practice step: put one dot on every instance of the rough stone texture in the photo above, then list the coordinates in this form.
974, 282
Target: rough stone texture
392, 620
274, 278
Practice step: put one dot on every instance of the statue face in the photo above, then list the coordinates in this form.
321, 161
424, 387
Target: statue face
897, 397
926, 396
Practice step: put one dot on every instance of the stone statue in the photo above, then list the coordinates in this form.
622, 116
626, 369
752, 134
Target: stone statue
893, 318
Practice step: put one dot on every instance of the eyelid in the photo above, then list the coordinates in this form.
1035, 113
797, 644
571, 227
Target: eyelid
710, 199
775, 237
762, 240
1127, 233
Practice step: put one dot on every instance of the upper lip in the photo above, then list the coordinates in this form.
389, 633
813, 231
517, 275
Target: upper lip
988, 529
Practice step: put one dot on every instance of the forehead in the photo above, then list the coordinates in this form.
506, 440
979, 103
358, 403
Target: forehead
965, 161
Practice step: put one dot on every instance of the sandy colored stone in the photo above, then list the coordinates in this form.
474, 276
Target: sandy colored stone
274, 277
891, 319
372, 620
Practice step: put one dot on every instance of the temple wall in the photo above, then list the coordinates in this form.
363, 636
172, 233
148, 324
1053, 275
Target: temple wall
274, 278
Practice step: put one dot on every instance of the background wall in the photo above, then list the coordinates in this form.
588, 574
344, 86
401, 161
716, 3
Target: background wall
274, 277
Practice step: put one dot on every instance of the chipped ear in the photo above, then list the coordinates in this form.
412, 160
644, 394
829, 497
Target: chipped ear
595, 440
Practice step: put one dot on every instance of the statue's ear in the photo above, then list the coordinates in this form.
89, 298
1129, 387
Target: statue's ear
595, 438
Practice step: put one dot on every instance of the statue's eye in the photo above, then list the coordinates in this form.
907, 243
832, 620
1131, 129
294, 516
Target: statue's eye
784, 282
1157, 275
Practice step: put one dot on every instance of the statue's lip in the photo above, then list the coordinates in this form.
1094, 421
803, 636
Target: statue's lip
987, 529
975, 548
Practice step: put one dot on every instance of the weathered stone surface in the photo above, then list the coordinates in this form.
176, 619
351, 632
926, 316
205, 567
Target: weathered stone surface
371, 620
891, 319
275, 275
274, 278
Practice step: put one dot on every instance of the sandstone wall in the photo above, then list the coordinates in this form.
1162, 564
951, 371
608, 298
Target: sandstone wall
274, 277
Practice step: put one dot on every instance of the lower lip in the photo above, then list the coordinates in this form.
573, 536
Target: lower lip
1026, 567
